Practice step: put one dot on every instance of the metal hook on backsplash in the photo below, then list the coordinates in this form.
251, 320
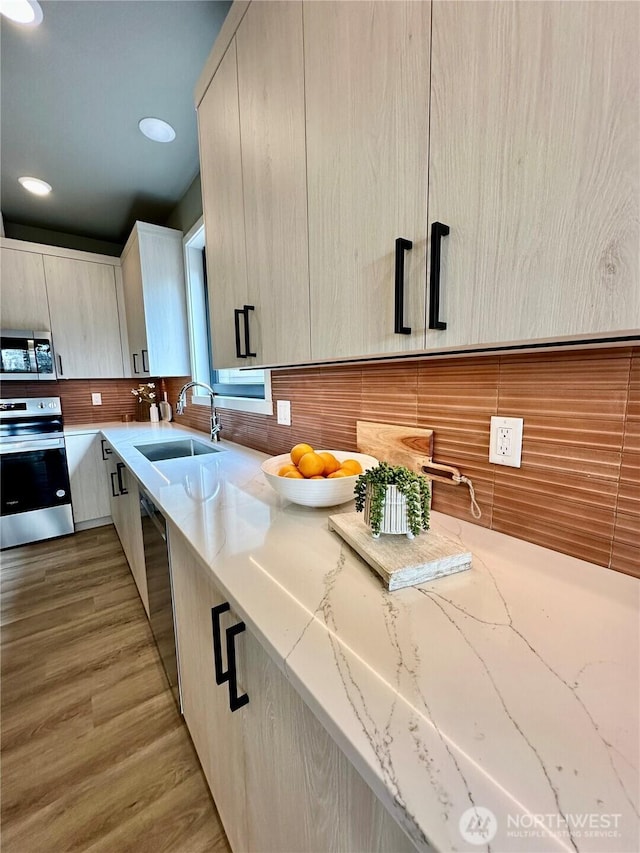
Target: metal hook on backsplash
451, 475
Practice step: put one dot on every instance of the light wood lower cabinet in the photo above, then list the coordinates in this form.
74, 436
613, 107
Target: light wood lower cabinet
124, 499
89, 480
278, 779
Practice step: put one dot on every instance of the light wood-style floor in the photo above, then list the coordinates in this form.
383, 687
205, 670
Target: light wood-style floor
95, 756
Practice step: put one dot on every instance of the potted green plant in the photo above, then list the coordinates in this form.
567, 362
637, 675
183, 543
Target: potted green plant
394, 500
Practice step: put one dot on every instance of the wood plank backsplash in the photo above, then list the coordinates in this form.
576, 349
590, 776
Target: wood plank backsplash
577, 491
578, 488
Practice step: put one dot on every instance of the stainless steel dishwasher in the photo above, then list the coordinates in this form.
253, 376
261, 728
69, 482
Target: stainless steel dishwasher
159, 588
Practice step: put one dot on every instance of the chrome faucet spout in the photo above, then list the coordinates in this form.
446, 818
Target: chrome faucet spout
181, 405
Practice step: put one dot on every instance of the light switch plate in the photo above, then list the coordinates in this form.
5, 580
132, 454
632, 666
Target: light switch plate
96, 399
284, 412
505, 445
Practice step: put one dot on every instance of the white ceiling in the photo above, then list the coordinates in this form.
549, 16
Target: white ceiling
72, 93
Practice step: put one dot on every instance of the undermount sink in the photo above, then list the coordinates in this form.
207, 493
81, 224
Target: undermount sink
175, 449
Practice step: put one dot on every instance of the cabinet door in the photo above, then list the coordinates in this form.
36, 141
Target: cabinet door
534, 168
84, 318
88, 476
134, 308
217, 733
302, 792
222, 199
272, 122
166, 350
124, 498
367, 103
24, 295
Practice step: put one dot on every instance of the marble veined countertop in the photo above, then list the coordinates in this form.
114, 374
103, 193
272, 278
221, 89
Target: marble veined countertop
511, 690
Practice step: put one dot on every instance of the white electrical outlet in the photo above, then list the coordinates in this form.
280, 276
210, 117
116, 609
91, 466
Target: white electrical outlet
284, 412
96, 399
505, 447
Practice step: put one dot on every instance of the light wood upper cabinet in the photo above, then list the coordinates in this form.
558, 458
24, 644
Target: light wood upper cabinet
534, 162
84, 318
367, 108
155, 302
24, 294
272, 131
223, 208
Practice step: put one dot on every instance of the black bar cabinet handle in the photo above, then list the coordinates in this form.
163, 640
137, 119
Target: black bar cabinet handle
106, 451
216, 613
235, 701
247, 344
119, 468
134, 356
438, 231
113, 486
237, 313
60, 370
145, 366
402, 246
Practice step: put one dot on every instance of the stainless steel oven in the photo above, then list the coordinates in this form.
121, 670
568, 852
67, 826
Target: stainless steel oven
26, 355
35, 495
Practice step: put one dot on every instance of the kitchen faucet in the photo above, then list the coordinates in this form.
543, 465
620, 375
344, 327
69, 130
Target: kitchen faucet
181, 405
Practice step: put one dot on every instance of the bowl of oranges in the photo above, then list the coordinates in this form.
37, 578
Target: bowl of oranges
316, 477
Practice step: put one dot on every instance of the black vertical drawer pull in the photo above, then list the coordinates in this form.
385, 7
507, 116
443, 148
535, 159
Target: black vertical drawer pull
145, 366
402, 246
134, 356
230, 674
106, 451
438, 231
216, 613
113, 486
235, 701
60, 370
119, 468
247, 344
237, 313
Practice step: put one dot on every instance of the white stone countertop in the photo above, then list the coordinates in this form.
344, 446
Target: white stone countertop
512, 687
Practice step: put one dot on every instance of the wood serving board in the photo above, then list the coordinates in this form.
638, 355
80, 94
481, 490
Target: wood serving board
399, 561
396, 445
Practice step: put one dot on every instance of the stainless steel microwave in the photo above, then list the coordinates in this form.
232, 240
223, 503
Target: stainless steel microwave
26, 355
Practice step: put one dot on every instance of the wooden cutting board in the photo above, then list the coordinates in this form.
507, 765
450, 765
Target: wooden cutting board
399, 561
396, 445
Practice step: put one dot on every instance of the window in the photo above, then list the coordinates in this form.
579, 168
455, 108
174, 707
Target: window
244, 390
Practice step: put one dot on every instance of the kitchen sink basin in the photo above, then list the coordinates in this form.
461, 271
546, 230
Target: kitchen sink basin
176, 449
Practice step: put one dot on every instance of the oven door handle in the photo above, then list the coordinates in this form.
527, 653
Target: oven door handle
27, 446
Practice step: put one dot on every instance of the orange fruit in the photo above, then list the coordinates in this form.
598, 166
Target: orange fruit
294, 475
317, 477
285, 470
298, 452
352, 465
341, 472
331, 464
311, 464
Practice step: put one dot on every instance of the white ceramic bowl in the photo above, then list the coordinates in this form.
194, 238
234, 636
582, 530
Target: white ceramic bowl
317, 493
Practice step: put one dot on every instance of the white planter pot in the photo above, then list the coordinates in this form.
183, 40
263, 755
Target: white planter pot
394, 513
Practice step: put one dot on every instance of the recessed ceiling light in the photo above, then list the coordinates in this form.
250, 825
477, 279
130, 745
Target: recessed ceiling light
35, 186
27, 12
157, 130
